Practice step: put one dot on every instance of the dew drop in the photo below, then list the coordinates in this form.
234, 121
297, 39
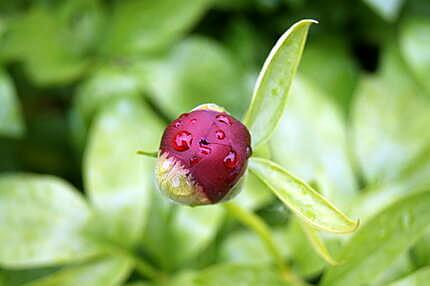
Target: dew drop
182, 141
223, 119
220, 134
194, 160
205, 150
248, 151
193, 121
178, 124
231, 160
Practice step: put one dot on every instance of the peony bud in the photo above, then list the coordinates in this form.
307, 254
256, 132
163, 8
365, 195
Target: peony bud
203, 154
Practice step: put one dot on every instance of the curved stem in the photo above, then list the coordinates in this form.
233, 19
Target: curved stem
255, 223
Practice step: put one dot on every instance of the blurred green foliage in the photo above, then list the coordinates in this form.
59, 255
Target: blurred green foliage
85, 83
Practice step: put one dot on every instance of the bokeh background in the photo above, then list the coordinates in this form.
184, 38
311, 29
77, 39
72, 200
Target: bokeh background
357, 125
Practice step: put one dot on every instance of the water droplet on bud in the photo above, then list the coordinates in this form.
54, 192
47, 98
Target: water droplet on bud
220, 134
248, 151
194, 160
193, 121
231, 160
178, 124
223, 119
205, 150
182, 141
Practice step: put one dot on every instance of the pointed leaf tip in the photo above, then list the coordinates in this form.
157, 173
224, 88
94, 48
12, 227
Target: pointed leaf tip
273, 83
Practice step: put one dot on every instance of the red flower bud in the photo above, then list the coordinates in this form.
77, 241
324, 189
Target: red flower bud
203, 154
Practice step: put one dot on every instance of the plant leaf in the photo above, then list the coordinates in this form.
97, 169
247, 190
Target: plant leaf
147, 26
379, 242
312, 141
387, 9
386, 138
11, 121
42, 222
119, 181
271, 89
304, 201
192, 229
176, 84
318, 244
239, 275
414, 43
418, 278
108, 271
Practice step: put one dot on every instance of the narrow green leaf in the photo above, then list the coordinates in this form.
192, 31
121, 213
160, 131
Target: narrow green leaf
42, 222
108, 271
379, 242
118, 181
304, 201
387, 9
312, 141
418, 278
271, 89
414, 43
318, 244
11, 121
147, 26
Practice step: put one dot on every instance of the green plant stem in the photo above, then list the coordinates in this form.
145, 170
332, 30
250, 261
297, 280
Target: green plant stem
147, 153
256, 224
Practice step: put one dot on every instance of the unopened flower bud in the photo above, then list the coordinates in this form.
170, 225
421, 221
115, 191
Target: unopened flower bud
203, 154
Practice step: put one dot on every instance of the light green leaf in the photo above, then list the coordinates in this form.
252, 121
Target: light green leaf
304, 201
379, 242
20, 277
192, 229
414, 43
271, 90
420, 253
108, 271
247, 247
118, 180
142, 26
312, 142
42, 222
418, 278
386, 137
11, 121
239, 275
387, 9
180, 82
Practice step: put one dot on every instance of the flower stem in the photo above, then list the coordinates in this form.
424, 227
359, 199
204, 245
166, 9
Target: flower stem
255, 223
153, 154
